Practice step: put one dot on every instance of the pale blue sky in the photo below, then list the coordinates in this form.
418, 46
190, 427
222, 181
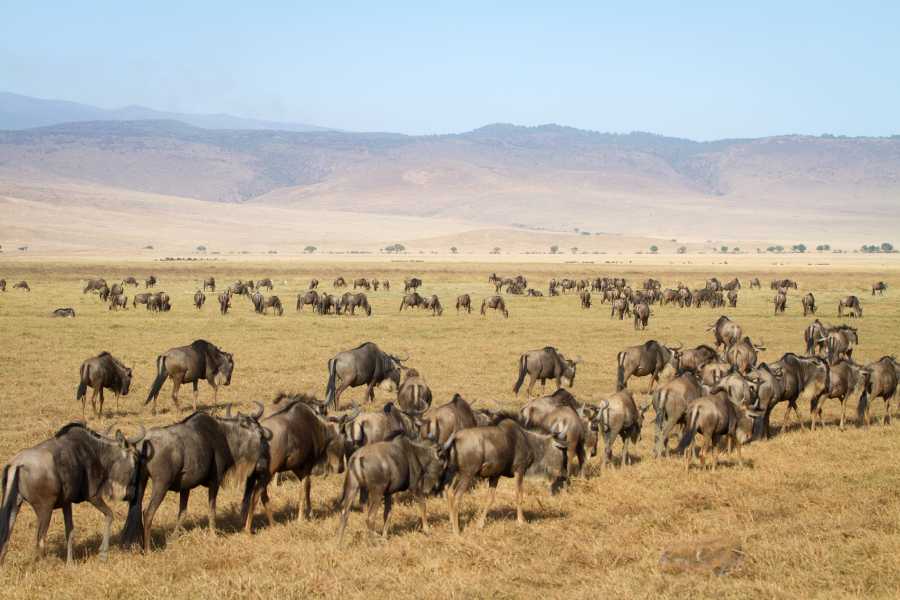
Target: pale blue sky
702, 70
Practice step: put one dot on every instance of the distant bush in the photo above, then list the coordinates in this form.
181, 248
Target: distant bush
310, 249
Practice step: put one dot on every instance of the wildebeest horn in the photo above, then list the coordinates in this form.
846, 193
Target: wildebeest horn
260, 410
679, 347
137, 438
353, 415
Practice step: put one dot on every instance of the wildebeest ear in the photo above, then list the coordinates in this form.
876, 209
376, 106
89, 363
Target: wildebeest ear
267, 433
120, 437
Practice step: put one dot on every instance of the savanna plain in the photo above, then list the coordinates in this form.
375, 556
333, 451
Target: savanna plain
810, 514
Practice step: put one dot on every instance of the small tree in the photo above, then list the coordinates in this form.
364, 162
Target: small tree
454, 249
201, 248
554, 249
654, 249
682, 249
801, 248
723, 249
310, 249
574, 249
887, 247
496, 250
735, 250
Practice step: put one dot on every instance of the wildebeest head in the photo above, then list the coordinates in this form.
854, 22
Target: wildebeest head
568, 374
223, 369
338, 445
124, 466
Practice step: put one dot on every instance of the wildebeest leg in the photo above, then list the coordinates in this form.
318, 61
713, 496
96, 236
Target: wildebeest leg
213, 494
714, 450
305, 508
843, 411
370, 393
176, 384
375, 497
454, 497
625, 459
117, 402
520, 494
609, 438
654, 378
101, 505
94, 395
156, 498
183, 497
423, 512
388, 504
70, 531
100, 412
737, 444
196, 383
43, 512
531, 380
492, 493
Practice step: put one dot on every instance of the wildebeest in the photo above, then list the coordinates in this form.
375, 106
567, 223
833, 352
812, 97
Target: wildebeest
301, 441
649, 358
328, 303
846, 377
716, 417
386, 468
880, 380
159, 302
413, 300
99, 372
375, 284
671, 401
209, 284
257, 299
22, 285
641, 315
199, 299
692, 360
851, 303
620, 308
809, 304
265, 283
313, 284
434, 305
311, 298
742, 355
2, 285
546, 363
362, 282
783, 283
200, 450
130, 281
754, 283
143, 298
501, 450
619, 416
273, 302
118, 301
495, 303
365, 365
734, 284
94, 285
75, 465
839, 342
533, 293
712, 371
224, 302
339, 282
585, 299
439, 423
770, 390
880, 287
780, 302
387, 285
411, 283
464, 302
815, 335
64, 312
727, 332
414, 394
379, 426
559, 414
150, 281
190, 364
350, 302
801, 377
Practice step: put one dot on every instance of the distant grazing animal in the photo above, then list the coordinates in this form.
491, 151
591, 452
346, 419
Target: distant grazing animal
851, 303
351, 301
191, 364
150, 281
22, 285
434, 305
641, 315
103, 371
585, 299
732, 298
64, 312
413, 300
541, 365
118, 301
224, 302
130, 281
880, 288
273, 302
265, 283
199, 299
313, 284
94, 285
411, 284
495, 303
754, 283
209, 284
339, 283
387, 285
362, 282
310, 298
809, 304
464, 302
780, 302
140, 299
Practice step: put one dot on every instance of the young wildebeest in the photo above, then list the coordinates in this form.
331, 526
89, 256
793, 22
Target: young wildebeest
464, 302
880, 380
311, 298
546, 363
302, 440
502, 450
199, 299
726, 331
650, 358
559, 414
224, 302
365, 365
851, 303
879, 287
209, 284
809, 304
99, 372
64, 312
619, 416
75, 465
671, 401
839, 343
190, 364
716, 417
201, 450
414, 394
495, 303
780, 302
22, 285
846, 377
382, 469
641, 315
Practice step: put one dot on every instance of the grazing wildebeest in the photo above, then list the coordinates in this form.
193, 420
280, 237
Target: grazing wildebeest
732, 298
362, 282
159, 302
313, 284
880, 287
150, 281
209, 284
199, 299
200, 450
413, 300
118, 301
464, 302
713, 284
851, 303
809, 304
716, 417
839, 342
328, 303
375, 284
387, 285
780, 302
190, 364
496, 303
75, 465
265, 283
239, 288
411, 283
641, 315
350, 302
501, 450
257, 299
754, 283
140, 299
434, 305
103, 293
339, 282
414, 394
94, 285
130, 281
559, 413
224, 302
727, 332
273, 302
546, 363
620, 308
585, 299
694, 359
64, 312
846, 376
302, 440
22, 285
533, 293
2, 285
801, 377
619, 416
742, 354
783, 283
102, 371
365, 365
116, 290
649, 358
880, 380
383, 469
815, 336
311, 298
671, 401
734, 284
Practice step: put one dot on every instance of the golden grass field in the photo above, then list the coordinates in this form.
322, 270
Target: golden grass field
814, 514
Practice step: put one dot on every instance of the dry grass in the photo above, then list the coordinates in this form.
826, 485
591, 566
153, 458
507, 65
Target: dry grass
814, 515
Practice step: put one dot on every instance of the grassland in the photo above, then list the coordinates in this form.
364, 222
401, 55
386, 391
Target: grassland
814, 514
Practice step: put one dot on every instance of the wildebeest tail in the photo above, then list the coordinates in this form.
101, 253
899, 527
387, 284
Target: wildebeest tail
329, 389
133, 530
620, 371
521, 378
689, 432
603, 417
352, 480
863, 405
82, 385
10, 503
161, 375
659, 404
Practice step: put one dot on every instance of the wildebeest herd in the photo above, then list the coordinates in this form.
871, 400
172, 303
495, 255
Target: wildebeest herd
719, 391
